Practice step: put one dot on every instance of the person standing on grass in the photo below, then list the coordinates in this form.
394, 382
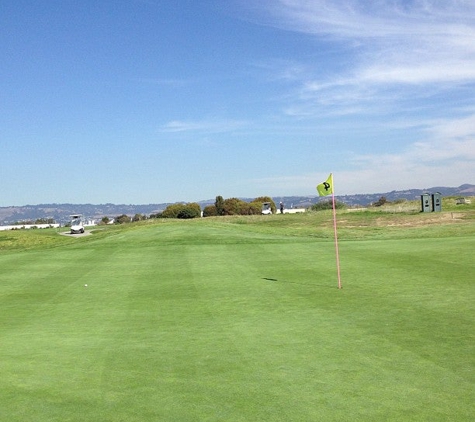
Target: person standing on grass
281, 207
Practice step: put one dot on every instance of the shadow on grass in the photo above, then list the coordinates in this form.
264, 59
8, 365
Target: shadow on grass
296, 282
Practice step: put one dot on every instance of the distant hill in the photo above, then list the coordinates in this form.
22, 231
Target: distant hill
61, 212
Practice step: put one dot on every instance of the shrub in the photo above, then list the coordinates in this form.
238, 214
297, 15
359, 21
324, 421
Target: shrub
219, 205
190, 210
121, 219
171, 211
233, 206
210, 211
138, 217
253, 208
380, 202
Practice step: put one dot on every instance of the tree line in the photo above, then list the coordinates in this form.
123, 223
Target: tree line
221, 207
236, 206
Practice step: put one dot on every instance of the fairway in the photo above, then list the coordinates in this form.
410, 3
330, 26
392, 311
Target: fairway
213, 320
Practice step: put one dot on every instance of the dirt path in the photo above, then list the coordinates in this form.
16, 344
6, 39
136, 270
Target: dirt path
86, 233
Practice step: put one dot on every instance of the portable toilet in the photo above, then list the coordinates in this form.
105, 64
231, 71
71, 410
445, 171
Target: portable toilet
426, 203
437, 202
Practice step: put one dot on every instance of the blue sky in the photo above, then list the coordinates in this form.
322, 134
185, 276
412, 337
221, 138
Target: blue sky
151, 101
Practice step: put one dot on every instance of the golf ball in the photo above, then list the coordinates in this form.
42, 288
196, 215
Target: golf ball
85, 285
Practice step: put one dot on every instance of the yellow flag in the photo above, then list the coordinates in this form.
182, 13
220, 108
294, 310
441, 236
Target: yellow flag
326, 188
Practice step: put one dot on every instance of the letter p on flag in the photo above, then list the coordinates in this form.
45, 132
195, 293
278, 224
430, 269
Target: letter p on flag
326, 188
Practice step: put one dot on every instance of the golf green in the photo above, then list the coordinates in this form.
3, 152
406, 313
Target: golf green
206, 321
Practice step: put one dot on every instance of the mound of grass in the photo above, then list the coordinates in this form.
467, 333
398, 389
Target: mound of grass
241, 319
28, 239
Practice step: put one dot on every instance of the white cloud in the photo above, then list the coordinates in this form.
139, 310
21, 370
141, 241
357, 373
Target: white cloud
456, 128
445, 157
395, 46
383, 19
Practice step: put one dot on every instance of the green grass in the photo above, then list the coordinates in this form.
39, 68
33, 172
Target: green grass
31, 238
240, 319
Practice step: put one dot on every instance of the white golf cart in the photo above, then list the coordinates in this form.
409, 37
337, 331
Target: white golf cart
266, 208
77, 226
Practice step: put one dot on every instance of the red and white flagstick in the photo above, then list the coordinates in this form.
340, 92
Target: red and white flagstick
336, 236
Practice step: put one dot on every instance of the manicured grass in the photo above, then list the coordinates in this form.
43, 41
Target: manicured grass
240, 319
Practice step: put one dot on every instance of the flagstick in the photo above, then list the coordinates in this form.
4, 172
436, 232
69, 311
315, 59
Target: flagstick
336, 237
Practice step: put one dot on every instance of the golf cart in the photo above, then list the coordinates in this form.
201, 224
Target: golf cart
76, 224
266, 208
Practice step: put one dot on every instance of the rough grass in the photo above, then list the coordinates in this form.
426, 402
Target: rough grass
240, 319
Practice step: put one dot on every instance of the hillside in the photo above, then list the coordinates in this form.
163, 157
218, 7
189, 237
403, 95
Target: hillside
61, 212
